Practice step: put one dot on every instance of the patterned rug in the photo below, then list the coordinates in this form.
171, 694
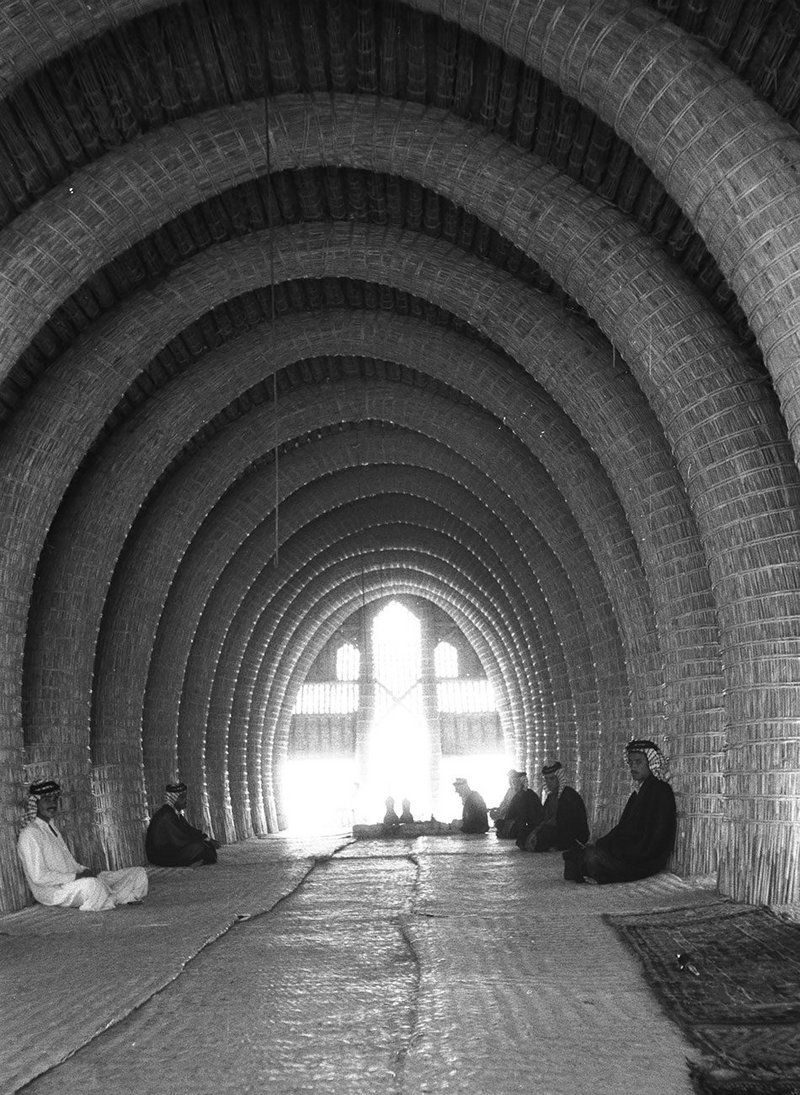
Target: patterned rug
729, 976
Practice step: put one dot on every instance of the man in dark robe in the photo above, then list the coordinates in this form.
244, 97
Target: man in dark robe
474, 817
498, 813
524, 811
171, 841
563, 823
390, 818
641, 842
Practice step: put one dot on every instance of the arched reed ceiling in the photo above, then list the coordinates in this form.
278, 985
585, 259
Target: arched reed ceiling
69, 705
441, 461
503, 315
236, 539
527, 648
341, 554
402, 448
664, 352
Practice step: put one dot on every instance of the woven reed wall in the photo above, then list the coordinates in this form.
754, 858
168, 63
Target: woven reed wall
181, 615
192, 715
121, 811
163, 661
500, 630
323, 735
700, 416
746, 204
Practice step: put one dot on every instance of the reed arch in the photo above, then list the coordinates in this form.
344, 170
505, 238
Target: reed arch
479, 182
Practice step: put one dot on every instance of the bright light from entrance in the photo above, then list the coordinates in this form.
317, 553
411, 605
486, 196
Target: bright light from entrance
318, 794
320, 791
399, 749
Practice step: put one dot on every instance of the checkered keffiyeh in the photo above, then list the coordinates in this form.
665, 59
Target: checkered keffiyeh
555, 768
659, 765
173, 792
36, 791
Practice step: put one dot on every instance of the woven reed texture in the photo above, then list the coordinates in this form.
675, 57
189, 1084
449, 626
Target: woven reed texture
100, 966
725, 431
215, 618
261, 636
398, 962
170, 662
601, 70
462, 536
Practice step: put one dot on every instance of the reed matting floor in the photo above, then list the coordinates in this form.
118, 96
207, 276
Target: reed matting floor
729, 975
441, 964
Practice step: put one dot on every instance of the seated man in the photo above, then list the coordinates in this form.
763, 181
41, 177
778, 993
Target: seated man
171, 841
499, 813
524, 812
406, 818
54, 875
474, 818
390, 818
640, 844
564, 815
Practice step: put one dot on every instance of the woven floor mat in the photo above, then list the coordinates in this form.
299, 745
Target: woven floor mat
528, 989
299, 1000
385, 968
97, 967
729, 975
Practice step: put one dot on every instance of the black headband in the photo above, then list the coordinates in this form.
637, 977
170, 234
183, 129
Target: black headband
551, 769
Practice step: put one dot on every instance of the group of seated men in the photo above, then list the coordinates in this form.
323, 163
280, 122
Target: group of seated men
556, 824
638, 846
55, 877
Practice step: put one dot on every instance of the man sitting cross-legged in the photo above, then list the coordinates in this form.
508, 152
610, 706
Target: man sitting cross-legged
54, 875
563, 823
171, 841
641, 842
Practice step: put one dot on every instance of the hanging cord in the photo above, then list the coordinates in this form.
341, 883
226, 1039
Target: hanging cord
271, 254
361, 556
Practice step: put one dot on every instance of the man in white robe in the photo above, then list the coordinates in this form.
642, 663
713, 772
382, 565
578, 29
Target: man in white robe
54, 875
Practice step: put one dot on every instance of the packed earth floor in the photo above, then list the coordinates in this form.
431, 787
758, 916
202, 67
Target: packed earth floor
327, 965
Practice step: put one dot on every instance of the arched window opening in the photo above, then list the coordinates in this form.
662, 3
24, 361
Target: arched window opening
338, 697
459, 695
445, 660
348, 662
